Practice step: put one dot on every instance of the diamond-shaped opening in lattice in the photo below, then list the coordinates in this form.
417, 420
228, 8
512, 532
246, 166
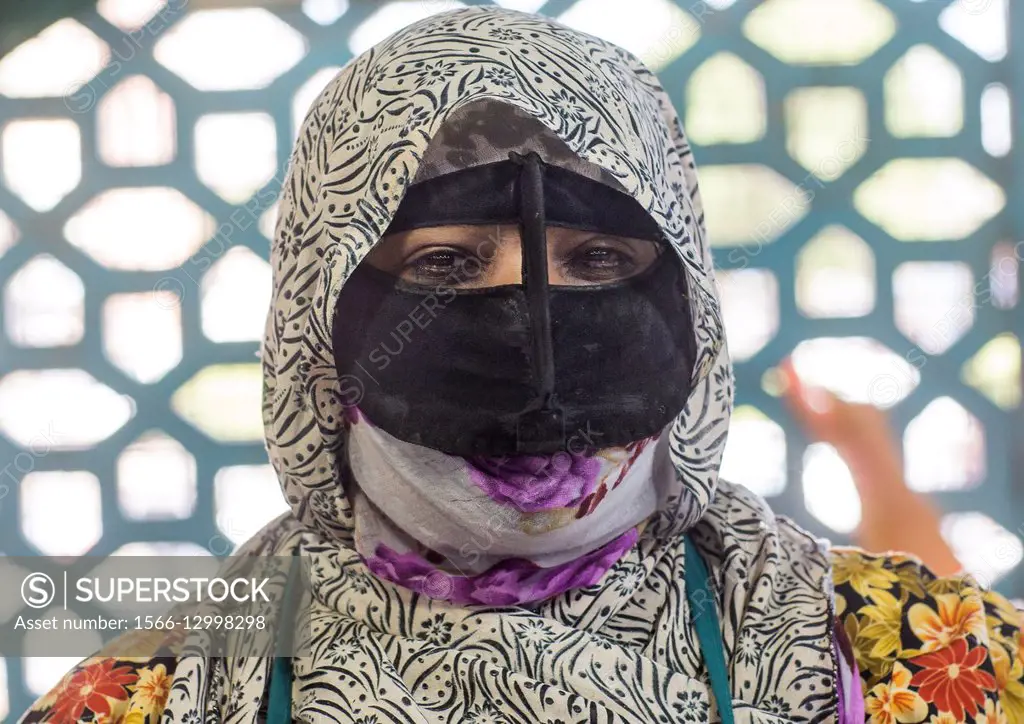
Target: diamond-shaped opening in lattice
934, 302
227, 49
61, 511
924, 95
58, 61
996, 120
994, 371
391, 17
725, 101
987, 550
245, 498
830, 494
142, 333
1003, 276
109, 226
307, 93
656, 31
929, 199
236, 295
324, 12
749, 204
8, 233
944, 448
223, 401
981, 25
755, 453
44, 304
858, 369
156, 479
835, 275
38, 416
826, 128
129, 15
42, 673
750, 310
268, 220
136, 124
42, 160
236, 153
838, 32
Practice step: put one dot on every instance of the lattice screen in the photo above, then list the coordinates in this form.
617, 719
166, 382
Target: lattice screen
856, 158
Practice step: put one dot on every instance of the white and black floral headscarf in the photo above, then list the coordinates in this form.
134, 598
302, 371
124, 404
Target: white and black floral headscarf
623, 650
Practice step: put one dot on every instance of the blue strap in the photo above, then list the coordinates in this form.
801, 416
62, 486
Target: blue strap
709, 632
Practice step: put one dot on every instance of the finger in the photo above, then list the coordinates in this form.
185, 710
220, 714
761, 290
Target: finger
803, 398
793, 385
818, 400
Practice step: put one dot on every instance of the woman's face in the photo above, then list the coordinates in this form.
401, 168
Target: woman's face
468, 257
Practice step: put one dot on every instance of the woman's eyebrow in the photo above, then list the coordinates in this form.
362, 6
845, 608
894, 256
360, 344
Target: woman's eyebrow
442, 234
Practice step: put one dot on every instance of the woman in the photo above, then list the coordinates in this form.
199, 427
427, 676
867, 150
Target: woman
496, 394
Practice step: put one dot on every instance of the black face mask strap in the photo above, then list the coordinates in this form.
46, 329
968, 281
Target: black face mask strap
543, 419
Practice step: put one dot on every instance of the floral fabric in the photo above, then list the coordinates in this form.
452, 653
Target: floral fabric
498, 532
929, 649
109, 690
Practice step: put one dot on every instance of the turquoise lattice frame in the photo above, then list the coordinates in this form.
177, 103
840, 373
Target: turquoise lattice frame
1000, 496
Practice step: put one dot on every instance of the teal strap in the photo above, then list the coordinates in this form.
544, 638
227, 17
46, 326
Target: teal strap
709, 632
279, 706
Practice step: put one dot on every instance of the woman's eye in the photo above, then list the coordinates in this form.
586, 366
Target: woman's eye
600, 264
435, 266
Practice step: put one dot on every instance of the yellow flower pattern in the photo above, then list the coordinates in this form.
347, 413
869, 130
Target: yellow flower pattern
930, 650
886, 617
153, 686
994, 713
861, 573
952, 617
894, 701
1010, 679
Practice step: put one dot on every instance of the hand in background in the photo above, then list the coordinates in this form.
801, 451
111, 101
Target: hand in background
894, 518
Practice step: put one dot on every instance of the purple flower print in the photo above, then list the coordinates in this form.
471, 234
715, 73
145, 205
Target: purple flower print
534, 483
511, 582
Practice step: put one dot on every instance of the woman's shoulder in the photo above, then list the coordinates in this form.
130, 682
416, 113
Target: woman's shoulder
931, 645
109, 687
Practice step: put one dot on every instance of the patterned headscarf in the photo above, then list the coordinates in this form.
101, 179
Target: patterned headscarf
624, 649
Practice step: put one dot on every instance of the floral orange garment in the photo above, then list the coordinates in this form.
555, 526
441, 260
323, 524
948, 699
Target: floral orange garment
931, 650
109, 690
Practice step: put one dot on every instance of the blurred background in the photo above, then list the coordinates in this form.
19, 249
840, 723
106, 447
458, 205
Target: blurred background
857, 160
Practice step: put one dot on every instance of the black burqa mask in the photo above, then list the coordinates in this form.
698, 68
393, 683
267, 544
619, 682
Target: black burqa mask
530, 368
